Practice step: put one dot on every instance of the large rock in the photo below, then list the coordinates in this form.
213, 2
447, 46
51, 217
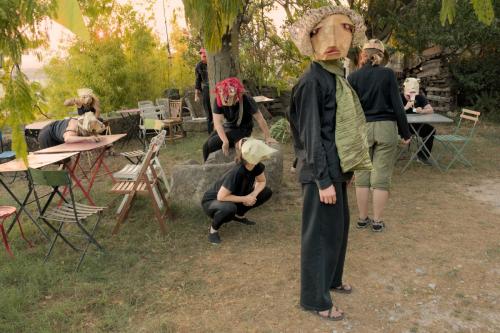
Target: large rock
191, 180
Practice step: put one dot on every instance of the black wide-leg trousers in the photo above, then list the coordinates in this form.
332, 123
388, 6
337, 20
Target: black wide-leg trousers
325, 230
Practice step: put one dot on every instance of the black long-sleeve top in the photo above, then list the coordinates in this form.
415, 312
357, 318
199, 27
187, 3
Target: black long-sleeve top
378, 92
201, 74
313, 111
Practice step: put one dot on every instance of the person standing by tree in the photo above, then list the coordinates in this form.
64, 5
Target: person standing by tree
328, 129
202, 87
378, 92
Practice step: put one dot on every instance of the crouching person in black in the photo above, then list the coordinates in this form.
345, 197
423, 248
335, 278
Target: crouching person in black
240, 189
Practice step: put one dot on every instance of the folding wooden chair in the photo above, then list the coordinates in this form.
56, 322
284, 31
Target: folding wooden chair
130, 171
150, 122
146, 182
174, 121
70, 212
455, 143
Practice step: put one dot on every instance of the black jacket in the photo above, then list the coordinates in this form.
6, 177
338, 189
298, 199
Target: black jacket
378, 92
313, 109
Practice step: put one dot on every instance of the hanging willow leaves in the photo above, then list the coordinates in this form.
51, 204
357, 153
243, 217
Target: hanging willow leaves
484, 10
213, 18
19, 32
448, 11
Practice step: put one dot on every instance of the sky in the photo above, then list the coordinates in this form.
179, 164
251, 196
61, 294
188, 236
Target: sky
59, 36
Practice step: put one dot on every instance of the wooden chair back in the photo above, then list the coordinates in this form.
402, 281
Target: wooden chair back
470, 117
175, 108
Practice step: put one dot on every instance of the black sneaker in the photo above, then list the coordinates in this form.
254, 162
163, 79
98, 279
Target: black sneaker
214, 238
378, 226
364, 223
243, 220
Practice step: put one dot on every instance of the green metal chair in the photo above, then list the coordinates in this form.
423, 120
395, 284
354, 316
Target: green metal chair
69, 212
455, 143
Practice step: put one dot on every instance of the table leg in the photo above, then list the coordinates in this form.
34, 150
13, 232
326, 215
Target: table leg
78, 183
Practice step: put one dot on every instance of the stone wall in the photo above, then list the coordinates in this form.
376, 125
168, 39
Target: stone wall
191, 180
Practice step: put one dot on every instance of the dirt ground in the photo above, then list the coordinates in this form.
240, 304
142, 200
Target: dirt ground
436, 268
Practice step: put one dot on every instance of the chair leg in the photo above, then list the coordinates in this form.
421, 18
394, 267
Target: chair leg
53, 242
123, 213
5, 240
22, 233
90, 240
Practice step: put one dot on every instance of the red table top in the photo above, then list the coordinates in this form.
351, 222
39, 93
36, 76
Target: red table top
34, 161
82, 146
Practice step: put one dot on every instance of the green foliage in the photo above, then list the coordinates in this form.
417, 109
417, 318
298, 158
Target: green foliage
280, 130
19, 32
127, 64
482, 8
213, 18
477, 81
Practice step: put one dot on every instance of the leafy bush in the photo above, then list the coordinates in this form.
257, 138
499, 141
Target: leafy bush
280, 130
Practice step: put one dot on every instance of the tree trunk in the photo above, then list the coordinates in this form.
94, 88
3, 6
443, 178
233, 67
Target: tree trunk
225, 63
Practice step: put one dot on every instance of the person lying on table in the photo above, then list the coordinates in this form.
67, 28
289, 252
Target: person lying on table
238, 110
71, 130
416, 103
86, 101
240, 189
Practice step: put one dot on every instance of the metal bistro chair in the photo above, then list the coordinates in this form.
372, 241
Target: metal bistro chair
5, 213
150, 122
455, 143
70, 212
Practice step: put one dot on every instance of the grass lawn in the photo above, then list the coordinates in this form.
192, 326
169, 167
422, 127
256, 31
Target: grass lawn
435, 269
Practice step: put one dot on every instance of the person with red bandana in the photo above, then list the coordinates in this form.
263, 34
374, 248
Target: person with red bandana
233, 116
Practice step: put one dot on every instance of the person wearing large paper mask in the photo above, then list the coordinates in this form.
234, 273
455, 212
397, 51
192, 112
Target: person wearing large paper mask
71, 130
414, 102
328, 128
233, 117
378, 92
240, 189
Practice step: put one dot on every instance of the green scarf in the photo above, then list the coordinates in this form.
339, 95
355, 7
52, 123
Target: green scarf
350, 126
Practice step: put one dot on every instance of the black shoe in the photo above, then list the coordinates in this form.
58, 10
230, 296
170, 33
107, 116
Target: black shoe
243, 220
364, 223
214, 238
378, 226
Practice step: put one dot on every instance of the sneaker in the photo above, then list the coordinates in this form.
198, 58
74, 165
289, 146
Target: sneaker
424, 161
243, 220
214, 238
378, 226
364, 223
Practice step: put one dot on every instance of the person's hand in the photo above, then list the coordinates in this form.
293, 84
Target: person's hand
406, 142
419, 110
93, 138
225, 147
328, 195
409, 104
249, 200
270, 140
196, 95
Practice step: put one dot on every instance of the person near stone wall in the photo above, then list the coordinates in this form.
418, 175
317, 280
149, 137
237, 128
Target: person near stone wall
240, 189
233, 116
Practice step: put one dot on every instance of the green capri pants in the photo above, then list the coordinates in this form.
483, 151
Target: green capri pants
383, 142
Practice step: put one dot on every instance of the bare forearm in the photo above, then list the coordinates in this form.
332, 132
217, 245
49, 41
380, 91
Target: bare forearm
74, 139
231, 198
259, 187
219, 128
